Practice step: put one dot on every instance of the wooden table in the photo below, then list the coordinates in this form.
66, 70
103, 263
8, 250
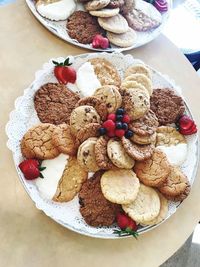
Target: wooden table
28, 237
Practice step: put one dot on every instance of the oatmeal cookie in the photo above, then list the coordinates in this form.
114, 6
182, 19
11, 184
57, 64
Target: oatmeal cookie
94, 207
89, 130
83, 27
167, 106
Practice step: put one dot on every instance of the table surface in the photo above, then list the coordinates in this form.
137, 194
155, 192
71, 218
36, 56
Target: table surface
28, 237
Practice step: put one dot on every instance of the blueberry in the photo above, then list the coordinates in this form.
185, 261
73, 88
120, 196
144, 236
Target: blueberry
129, 134
102, 131
120, 111
119, 125
125, 126
119, 117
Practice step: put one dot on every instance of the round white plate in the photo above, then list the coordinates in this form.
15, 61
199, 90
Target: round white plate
59, 27
24, 116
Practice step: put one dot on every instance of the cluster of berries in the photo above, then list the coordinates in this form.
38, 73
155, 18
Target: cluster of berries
116, 125
186, 126
31, 169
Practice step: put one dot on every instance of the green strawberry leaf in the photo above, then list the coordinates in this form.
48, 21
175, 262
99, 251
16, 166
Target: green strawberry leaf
41, 175
42, 168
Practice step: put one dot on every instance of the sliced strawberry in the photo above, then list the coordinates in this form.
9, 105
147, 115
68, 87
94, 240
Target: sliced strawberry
63, 72
191, 130
26, 162
58, 72
185, 122
69, 74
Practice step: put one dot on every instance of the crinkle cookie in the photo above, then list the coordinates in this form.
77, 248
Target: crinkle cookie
89, 130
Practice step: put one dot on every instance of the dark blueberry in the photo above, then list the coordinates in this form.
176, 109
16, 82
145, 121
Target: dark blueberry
125, 126
102, 131
129, 134
119, 117
118, 125
120, 111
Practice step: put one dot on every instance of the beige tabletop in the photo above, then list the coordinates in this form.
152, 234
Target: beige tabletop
30, 238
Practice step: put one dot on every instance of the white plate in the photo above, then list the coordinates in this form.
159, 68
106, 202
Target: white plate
59, 28
24, 117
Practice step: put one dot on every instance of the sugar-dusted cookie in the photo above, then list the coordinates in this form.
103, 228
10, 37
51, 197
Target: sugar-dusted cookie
137, 152
96, 4
120, 186
95, 102
86, 155
106, 72
124, 39
105, 12
175, 184
136, 103
81, 116
146, 125
118, 155
115, 24
144, 140
101, 154
138, 68
94, 207
37, 142
162, 213
167, 105
110, 95
133, 85
141, 79
145, 207
71, 181
154, 171
54, 103
89, 130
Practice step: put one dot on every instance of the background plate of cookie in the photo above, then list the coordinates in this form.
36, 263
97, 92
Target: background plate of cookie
66, 206
126, 24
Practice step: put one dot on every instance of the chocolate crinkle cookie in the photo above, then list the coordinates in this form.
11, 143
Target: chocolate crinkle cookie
83, 27
94, 207
167, 106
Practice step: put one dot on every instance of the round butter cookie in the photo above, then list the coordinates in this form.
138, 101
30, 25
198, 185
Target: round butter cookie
81, 116
144, 140
120, 186
154, 171
118, 155
138, 68
145, 207
126, 85
105, 12
86, 155
96, 4
115, 24
124, 39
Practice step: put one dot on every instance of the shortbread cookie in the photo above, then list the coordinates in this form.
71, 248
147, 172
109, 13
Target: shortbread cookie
167, 106
110, 95
83, 27
106, 72
96, 4
154, 171
126, 85
183, 195
144, 140
136, 103
81, 116
137, 152
63, 140
94, 207
120, 186
175, 183
99, 105
145, 207
86, 155
169, 136
141, 79
116, 24
124, 39
71, 181
138, 68
105, 12
89, 130
162, 213
145, 126
37, 142
118, 155
54, 103
101, 155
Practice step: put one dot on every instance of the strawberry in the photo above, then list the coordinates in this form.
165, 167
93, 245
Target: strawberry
127, 225
31, 169
63, 72
100, 42
24, 163
186, 125
191, 130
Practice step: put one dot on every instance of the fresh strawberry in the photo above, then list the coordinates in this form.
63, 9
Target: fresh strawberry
26, 162
109, 125
127, 225
186, 125
100, 42
31, 169
191, 130
63, 72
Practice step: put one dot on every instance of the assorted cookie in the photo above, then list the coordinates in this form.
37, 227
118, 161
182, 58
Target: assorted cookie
116, 134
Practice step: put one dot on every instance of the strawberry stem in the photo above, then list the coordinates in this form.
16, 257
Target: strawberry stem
126, 232
65, 63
